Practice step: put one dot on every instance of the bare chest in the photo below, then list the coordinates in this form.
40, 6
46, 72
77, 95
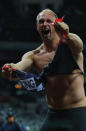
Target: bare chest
42, 59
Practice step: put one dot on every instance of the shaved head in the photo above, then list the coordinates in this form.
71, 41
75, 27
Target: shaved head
46, 11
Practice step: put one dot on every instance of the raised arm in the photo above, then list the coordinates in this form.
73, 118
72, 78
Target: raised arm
73, 40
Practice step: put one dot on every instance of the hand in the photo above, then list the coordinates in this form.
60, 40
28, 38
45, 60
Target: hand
7, 71
61, 28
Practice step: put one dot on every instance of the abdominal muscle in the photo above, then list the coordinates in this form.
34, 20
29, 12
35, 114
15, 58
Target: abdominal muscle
65, 91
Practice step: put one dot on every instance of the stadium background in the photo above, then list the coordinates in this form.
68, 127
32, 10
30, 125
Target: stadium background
18, 35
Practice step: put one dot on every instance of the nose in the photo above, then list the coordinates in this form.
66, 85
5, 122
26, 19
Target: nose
45, 23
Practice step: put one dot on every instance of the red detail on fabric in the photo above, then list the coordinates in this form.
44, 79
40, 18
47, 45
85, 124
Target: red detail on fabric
59, 20
4, 67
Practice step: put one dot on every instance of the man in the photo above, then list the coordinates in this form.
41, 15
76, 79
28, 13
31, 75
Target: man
10, 124
64, 90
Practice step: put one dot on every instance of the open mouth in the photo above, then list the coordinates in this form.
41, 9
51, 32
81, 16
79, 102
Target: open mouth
46, 32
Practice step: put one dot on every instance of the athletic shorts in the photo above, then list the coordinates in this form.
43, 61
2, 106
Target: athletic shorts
65, 120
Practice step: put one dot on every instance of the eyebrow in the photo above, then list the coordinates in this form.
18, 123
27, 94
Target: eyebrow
40, 20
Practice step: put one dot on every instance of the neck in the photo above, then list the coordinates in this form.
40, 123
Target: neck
51, 44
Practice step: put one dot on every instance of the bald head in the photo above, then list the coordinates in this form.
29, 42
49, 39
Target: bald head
48, 11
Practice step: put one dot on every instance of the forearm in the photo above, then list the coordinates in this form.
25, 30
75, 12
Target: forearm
24, 65
7, 72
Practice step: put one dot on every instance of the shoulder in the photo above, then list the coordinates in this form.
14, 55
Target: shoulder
28, 55
37, 50
31, 54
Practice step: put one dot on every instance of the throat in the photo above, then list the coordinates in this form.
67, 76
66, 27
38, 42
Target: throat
51, 47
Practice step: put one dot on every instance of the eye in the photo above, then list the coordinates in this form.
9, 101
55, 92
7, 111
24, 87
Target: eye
49, 21
41, 21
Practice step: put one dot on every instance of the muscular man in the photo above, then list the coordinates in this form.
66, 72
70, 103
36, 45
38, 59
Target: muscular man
65, 94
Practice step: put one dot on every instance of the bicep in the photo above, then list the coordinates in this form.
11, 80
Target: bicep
26, 62
24, 65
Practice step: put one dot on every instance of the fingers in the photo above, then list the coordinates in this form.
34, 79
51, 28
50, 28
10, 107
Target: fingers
8, 67
61, 28
7, 71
